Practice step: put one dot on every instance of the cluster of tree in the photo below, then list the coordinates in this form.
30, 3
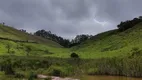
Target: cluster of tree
64, 42
79, 39
53, 37
23, 30
129, 24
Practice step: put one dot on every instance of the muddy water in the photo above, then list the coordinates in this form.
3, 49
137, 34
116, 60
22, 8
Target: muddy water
108, 78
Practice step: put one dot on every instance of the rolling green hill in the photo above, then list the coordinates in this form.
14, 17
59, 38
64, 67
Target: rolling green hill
111, 43
40, 46
108, 53
107, 44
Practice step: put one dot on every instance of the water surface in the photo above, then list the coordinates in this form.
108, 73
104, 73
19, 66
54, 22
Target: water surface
108, 78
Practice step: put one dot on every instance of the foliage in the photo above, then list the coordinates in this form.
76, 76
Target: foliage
32, 76
129, 24
49, 78
74, 55
66, 67
8, 46
28, 50
54, 37
79, 39
136, 52
19, 75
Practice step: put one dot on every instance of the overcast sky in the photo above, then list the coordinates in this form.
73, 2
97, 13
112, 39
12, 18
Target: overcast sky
68, 18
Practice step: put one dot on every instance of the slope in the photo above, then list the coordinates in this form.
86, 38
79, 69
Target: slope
13, 38
111, 43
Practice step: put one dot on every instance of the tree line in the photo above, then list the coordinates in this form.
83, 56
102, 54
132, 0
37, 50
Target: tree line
64, 42
129, 23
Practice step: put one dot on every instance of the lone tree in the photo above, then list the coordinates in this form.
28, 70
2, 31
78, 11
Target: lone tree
8, 46
28, 50
74, 55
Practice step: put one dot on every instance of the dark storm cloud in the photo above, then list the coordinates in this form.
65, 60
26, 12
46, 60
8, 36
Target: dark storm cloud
68, 17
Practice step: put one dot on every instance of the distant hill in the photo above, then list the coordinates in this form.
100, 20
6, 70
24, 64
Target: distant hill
19, 40
111, 43
12, 33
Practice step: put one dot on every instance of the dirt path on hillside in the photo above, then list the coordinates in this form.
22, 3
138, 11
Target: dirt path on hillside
54, 77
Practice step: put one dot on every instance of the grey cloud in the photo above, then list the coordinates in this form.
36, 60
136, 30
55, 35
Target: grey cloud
118, 10
68, 17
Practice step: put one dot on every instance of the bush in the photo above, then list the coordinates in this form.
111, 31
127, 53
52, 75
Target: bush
136, 52
74, 55
32, 76
9, 70
19, 75
49, 78
46, 51
55, 71
12, 52
92, 71
59, 71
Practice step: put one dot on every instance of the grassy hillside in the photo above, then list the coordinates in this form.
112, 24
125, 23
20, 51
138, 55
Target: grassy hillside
107, 44
108, 53
10, 32
43, 46
111, 43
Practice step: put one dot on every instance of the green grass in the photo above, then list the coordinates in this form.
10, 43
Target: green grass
108, 53
43, 48
12, 33
19, 49
126, 66
108, 44
111, 43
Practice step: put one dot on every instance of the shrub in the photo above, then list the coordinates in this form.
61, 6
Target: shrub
49, 78
136, 51
92, 71
19, 75
28, 50
9, 70
46, 51
12, 52
55, 71
32, 76
74, 55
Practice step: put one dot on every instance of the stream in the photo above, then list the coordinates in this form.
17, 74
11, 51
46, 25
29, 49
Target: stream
108, 78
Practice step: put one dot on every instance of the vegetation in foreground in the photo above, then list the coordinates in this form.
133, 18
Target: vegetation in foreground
29, 67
